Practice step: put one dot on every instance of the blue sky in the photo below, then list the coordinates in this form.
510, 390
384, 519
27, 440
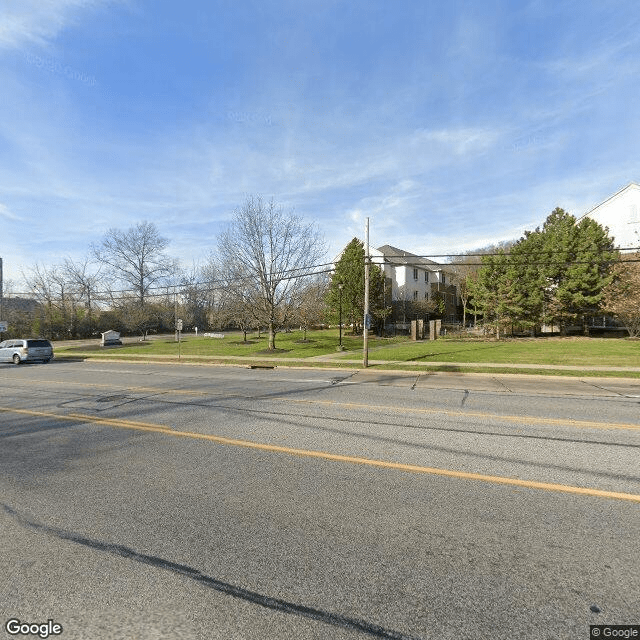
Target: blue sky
451, 125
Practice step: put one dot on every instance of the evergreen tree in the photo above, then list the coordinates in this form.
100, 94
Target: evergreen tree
529, 281
350, 272
492, 289
577, 267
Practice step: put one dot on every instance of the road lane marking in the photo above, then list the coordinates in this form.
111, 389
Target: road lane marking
106, 385
564, 422
325, 455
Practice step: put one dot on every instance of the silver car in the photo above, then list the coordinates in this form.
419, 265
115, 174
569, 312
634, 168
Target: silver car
18, 351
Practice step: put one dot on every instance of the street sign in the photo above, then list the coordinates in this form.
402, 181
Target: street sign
178, 325
3, 325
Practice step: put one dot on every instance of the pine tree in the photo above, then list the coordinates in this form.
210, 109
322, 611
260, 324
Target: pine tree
577, 267
492, 291
528, 280
349, 271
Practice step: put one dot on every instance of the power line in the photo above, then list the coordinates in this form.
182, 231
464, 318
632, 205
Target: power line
222, 284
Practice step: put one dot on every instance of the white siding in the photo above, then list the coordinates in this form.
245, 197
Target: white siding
620, 213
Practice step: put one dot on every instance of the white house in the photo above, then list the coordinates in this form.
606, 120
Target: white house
411, 278
621, 214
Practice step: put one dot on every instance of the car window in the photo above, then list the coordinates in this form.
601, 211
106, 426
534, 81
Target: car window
38, 343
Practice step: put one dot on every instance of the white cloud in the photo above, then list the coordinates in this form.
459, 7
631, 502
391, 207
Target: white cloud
5, 213
29, 22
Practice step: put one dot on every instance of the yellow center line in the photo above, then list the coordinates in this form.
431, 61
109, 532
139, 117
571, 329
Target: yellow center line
107, 385
564, 422
324, 455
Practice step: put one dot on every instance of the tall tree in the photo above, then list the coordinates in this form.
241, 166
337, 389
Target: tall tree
84, 281
52, 290
136, 257
492, 291
576, 263
466, 270
310, 307
272, 249
349, 271
529, 281
622, 294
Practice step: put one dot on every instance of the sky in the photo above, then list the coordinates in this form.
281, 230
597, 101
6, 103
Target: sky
450, 124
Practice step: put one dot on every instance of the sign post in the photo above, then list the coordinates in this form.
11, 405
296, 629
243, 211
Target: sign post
179, 330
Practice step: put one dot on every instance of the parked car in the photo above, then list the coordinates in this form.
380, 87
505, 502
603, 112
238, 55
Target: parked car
18, 351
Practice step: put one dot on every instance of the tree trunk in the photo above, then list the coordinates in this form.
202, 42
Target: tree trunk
272, 335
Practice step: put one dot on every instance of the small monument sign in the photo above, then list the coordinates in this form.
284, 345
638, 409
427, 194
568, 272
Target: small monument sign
110, 338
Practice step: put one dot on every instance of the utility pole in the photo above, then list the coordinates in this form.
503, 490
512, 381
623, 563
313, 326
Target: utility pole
365, 333
1, 296
175, 299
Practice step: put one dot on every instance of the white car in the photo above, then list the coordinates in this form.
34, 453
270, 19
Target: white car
18, 351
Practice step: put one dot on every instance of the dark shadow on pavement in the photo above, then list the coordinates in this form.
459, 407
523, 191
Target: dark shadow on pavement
235, 591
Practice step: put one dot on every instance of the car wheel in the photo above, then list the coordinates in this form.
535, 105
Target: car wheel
16, 359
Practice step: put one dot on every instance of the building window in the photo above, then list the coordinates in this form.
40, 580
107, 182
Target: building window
415, 274
443, 278
415, 296
426, 295
426, 276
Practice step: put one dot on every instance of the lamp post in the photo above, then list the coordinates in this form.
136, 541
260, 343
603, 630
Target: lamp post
340, 285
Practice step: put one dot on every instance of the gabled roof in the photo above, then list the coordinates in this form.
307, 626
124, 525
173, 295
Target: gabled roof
631, 185
393, 255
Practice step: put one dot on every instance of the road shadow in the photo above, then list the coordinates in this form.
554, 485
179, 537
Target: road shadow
262, 600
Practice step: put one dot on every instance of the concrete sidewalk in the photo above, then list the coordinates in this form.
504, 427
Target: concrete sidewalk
357, 363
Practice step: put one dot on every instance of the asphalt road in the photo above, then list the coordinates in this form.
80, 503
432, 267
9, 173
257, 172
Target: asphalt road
149, 501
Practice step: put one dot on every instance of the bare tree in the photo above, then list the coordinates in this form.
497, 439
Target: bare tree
268, 249
84, 282
311, 303
136, 257
622, 295
53, 292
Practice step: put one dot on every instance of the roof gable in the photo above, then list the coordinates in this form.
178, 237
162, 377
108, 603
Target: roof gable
393, 255
632, 186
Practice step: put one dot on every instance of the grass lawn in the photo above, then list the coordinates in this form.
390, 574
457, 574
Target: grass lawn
288, 345
575, 351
